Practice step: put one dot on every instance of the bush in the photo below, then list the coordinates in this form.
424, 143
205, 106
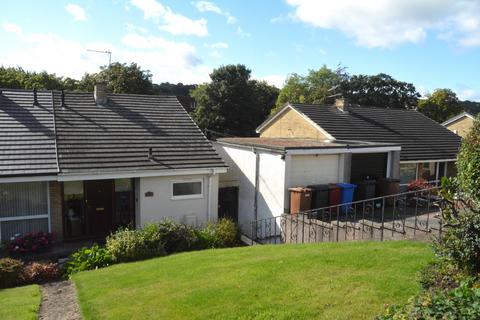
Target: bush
222, 234
37, 272
10, 272
131, 245
460, 244
30, 242
460, 303
468, 164
87, 259
176, 237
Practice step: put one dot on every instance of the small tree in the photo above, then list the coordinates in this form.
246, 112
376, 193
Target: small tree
468, 165
440, 105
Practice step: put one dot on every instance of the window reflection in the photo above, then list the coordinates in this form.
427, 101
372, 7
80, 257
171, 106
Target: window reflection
123, 203
73, 199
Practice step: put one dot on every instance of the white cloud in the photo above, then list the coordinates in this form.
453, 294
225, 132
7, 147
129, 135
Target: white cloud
207, 6
131, 28
387, 23
217, 45
167, 60
169, 21
76, 11
467, 93
276, 80
242, 33
13, 28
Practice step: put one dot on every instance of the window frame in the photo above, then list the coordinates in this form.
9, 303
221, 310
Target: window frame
46, 215
190, 196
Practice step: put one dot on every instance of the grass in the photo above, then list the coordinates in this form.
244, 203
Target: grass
315, 281
19, 303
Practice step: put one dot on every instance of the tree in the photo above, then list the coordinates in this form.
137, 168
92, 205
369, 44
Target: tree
440, 105
168, 88
380, 90
232, 103
312, 88
121, 78
468, 164
17, 78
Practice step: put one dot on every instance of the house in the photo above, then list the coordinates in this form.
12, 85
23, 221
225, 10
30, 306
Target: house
429, 150
82, 164
305, 145
460, 124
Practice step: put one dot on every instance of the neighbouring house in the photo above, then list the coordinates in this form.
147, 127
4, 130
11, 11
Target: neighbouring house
429, 150
460, 124
83, 164
304, 145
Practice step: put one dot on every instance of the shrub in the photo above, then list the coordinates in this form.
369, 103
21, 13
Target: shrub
37, 272
176, 237
468, 164
30, 242
10, 272
460, 303
222, 234
87, 259
460, 244
131, 245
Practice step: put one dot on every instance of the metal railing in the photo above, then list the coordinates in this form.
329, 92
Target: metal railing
409, 215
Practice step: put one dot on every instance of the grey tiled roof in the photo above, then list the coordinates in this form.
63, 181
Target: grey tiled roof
27, 139
420, 137
96, 139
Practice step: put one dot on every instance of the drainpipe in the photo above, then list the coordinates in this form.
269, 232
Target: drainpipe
257, 182
209, 198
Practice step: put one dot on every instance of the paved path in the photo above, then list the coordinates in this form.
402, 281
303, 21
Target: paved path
59, 301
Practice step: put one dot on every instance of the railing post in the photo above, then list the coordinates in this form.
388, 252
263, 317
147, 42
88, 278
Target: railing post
383, 219
338, 217
303, 228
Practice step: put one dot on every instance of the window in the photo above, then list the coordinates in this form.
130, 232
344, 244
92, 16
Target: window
427, 171
408, 172
187, 189
23, 208
73, 199
124, 202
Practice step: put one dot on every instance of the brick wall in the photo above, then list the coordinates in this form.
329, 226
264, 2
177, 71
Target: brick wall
291, 125
461, 127
56, 209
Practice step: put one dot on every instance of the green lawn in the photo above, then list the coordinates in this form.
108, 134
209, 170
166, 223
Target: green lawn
316, 281
19, 303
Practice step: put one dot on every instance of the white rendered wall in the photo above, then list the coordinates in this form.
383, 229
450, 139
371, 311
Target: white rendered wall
241, 174
161, 205
271, 186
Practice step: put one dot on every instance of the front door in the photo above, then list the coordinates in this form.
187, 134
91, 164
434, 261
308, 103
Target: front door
228, 203
99, 204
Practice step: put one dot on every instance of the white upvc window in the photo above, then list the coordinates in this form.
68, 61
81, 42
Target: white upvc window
24, 207
187, 189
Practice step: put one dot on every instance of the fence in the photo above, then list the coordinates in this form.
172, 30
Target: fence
408, 215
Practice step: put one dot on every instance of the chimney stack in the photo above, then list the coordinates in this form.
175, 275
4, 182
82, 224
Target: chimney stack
342, 104
100, 93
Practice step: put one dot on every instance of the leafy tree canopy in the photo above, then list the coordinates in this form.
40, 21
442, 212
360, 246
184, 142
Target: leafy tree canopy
312, 88
440, 105
232, 103
319, 85
380, 90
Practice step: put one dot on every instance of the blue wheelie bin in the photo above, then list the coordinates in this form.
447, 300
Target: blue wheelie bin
347, 191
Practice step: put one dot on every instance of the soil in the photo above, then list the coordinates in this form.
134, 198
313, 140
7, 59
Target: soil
59, 301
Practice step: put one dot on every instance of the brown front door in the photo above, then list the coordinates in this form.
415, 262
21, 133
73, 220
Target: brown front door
99, 200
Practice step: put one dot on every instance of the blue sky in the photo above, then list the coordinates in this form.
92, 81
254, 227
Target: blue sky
431, 43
